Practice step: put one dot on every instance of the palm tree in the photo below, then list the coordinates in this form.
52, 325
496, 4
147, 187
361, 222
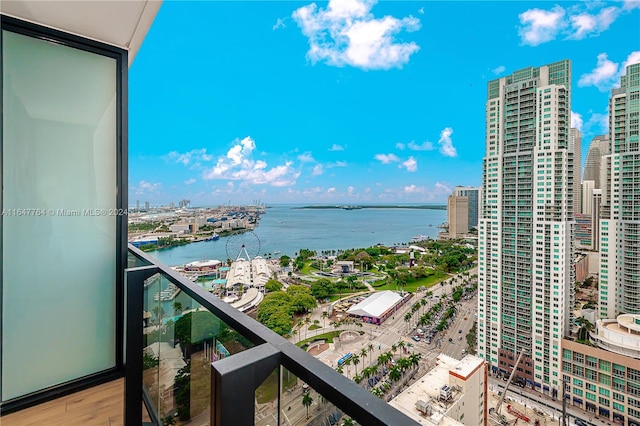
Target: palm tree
316, 324
395, 374
339, 369
585, 327
370, 349
423, 303
394, 348
377, 392
306, 322
401, 345
347, 362
347, 422
177, 307
414, 358
407, 319
325, 315
356, 360
307, 401
363, 354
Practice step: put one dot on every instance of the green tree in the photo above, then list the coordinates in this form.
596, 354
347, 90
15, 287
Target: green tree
182, 392
322, 288
395, 374
177, 307
303, 303
356, 360
285, 261
307, 401
194, 328
273, 285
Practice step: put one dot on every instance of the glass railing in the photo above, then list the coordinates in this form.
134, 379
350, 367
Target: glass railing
190, 357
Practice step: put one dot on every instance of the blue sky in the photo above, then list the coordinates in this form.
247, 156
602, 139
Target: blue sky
350, 101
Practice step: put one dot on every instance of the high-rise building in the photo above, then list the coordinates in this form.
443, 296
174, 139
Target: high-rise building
473, 194
598, 147
575, 145
595, 219
458, 215
525, 234
587, 196
620, 212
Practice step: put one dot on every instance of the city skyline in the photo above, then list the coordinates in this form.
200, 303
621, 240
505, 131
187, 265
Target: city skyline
268, 105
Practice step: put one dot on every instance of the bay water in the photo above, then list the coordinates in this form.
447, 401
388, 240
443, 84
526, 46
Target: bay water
288, 228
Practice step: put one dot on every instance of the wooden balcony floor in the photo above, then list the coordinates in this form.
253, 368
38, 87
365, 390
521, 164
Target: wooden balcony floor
101, 405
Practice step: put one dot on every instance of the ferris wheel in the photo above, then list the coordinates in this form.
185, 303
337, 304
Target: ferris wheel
244, 245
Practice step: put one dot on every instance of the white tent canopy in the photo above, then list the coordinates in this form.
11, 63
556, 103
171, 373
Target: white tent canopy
376, 304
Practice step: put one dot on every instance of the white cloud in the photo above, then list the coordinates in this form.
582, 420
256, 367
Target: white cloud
336, 164
576, 120
598, 123
386, 158
350, 191
279, 24
498, 70
603, 76
412, 189
146, 188
400, 146
347, 33
631, 4
421, 11
306, 158
189, 157
585, 19
317, 170
331, 190
424, 146
238, 164
446, 144
336, 147
411, 165
607, 73
540, 26
189, 181
633, 58
586, 24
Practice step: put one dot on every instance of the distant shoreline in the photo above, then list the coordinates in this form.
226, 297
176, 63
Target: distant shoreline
378, 206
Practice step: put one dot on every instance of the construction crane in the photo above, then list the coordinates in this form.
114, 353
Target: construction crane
504, 393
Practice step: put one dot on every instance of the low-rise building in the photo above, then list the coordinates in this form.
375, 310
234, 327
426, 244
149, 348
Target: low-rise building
454, 392
602, 382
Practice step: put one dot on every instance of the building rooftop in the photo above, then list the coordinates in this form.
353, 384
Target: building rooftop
428, 389
376, 304
620, 335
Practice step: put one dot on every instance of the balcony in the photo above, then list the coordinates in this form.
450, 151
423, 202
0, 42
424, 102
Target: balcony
207, 364
211, 364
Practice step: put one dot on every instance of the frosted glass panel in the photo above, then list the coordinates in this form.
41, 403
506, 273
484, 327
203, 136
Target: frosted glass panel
58, 257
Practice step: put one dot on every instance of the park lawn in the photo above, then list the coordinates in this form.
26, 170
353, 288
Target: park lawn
327, 337
412, 286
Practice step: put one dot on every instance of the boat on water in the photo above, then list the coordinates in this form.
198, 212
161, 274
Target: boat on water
276, 252
169, 293
214, 237
420, 238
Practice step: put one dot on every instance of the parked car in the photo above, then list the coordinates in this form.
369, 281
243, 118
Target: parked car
416, 338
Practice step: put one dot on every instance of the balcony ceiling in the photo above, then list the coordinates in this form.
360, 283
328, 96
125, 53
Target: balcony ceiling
119, 23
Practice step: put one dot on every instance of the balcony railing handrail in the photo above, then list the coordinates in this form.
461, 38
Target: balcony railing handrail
345, 394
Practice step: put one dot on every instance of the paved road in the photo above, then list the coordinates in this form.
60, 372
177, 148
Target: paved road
547, 404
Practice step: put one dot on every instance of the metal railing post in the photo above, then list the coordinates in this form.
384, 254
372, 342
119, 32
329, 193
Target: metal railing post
134, 283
